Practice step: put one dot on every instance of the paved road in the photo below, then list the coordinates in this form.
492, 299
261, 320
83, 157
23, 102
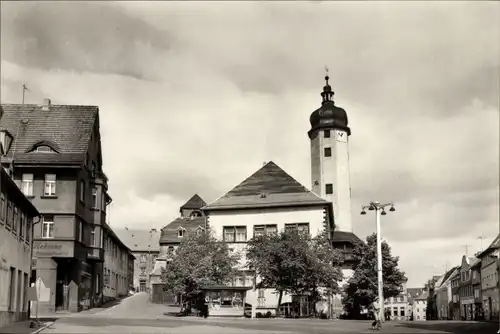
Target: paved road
137, 315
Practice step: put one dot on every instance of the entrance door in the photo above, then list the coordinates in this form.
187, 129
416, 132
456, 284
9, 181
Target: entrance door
490, 310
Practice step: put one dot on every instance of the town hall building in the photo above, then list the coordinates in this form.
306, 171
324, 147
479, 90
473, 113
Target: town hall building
271, 200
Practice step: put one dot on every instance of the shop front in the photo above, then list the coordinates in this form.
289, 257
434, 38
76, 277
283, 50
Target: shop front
226, 301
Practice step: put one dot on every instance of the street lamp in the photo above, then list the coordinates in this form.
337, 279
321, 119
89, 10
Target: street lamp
379, 210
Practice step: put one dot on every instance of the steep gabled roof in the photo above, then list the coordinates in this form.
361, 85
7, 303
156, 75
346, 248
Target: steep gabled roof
190, 225
67, 127
140, 240
448, 275
195, 202
414, 292
270, 186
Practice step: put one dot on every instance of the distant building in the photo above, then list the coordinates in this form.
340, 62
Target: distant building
54, 154
444, 297
489, 280
145, 247
419, 306
468, 300
268, 201
397, 307
455, 292
117, 268
412, 294
17, 216
192, 221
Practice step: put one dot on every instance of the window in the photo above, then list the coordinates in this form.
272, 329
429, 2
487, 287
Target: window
299, 227
29, 223
48, 227
181, 232
92, 237
15, 220
80, 231
25, 293
27, 184
94, 197
474, 275
402, 311
199, 230
93, 169
12, 288
3, 208
44, 149
22, 223
82, 191
329, 188
50, 185
328, 151
326, 134
260, 230
235, 233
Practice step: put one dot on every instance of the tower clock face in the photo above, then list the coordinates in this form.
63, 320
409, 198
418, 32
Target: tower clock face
341, 136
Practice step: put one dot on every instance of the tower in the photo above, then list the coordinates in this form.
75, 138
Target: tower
330, 172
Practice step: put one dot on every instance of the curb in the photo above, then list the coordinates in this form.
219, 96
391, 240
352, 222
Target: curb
47, 325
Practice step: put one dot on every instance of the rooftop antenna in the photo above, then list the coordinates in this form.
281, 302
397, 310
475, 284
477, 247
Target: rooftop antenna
24, 90
466, 250
326, 69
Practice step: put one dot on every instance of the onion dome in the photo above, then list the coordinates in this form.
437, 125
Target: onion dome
328, 116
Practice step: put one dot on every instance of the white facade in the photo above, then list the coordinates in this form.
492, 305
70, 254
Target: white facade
249, 219
419, 309
331, 167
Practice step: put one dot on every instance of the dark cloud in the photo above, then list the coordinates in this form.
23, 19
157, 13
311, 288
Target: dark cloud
79, 36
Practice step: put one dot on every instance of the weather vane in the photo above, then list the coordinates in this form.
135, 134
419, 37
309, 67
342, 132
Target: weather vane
326, 69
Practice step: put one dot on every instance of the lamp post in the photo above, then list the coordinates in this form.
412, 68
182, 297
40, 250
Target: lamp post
379, 210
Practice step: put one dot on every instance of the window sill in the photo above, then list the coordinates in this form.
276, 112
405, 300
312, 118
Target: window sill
95, 209
49, 196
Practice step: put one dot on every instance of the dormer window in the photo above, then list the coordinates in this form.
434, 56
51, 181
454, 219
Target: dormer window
181, 232
5, 141
44, 149
200, 230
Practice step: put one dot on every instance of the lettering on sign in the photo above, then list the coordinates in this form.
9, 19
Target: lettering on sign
47, 246
53, 249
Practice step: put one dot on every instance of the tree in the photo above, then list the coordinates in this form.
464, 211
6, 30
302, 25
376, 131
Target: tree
362, 288
292, 262
431, 311
200, 261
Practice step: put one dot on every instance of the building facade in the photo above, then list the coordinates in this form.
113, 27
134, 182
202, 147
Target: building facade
55, 157
17, 216
397, 307
145, 248
489, 280
467, 297
455, 293
419, 307
444, 296
116, 266
191, 221
268, 201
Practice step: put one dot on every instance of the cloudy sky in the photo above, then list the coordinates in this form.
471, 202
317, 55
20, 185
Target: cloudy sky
194, 97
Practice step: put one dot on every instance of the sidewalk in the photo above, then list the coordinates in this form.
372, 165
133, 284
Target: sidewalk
22, 327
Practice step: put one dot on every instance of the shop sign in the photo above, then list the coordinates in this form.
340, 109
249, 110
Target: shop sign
465, 301
53, 249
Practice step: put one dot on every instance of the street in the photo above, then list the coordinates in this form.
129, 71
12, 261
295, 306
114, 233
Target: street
136, 315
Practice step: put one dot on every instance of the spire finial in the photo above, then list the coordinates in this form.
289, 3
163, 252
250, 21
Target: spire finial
327, 93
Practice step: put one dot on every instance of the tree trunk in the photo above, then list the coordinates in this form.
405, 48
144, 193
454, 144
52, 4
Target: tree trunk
280, 297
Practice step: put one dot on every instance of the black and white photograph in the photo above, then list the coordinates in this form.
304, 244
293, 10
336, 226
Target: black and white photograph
250, 167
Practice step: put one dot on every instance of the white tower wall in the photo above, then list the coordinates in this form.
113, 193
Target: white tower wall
333, 170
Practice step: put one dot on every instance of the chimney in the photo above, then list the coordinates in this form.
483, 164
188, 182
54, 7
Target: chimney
46, 105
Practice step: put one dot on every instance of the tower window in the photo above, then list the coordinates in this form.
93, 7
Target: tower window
326, 134
329, 188
328, 151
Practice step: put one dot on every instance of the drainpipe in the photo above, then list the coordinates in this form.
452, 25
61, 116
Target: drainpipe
32, 236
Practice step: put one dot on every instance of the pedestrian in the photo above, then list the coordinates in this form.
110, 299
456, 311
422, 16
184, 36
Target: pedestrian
376, 324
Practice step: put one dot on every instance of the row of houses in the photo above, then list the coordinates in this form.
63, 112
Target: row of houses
53, 212
469, 291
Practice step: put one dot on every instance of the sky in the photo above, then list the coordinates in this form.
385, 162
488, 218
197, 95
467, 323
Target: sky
195, 96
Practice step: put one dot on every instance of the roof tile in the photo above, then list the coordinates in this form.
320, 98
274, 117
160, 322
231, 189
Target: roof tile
269, 186
67, 127
195, 202
139, 240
